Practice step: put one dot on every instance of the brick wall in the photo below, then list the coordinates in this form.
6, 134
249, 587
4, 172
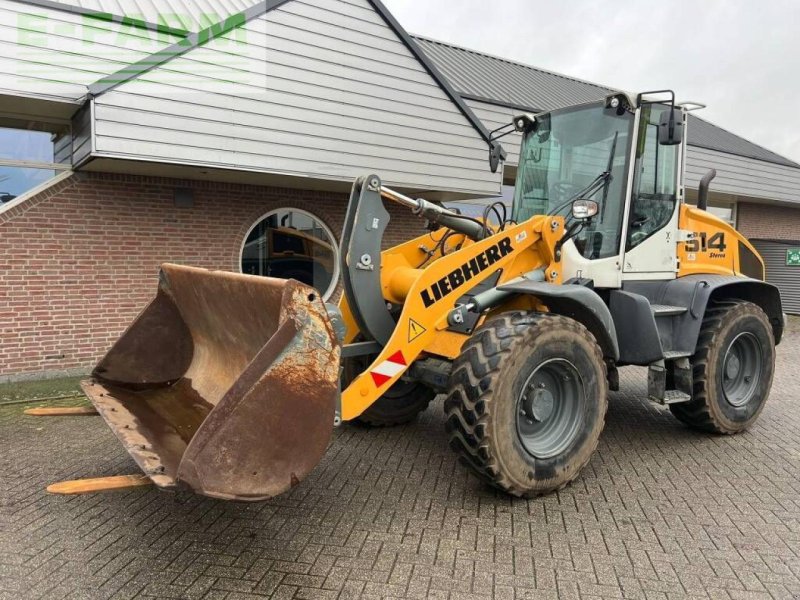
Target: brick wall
760, 221
81, 259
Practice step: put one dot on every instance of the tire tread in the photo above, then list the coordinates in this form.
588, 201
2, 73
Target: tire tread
468, 405
697, 413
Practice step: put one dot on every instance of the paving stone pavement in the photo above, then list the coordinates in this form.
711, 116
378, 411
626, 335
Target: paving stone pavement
660, 512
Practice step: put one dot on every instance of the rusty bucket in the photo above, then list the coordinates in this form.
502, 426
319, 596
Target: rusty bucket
225, 384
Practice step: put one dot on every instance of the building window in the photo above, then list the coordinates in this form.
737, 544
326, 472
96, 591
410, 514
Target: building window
27, 160
289, 243
726, 212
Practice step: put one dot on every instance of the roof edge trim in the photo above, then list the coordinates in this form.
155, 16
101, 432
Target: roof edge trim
190, 42
432, 70
106, 16
483, 100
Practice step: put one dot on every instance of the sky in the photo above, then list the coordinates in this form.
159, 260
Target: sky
741, 58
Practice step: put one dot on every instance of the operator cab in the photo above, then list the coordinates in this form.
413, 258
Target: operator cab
625, 156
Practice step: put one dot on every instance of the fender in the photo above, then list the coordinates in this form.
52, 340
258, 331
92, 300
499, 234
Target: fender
577, 302
695, 292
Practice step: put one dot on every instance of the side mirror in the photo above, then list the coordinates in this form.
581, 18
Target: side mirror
496, 155
670, 127
584, 210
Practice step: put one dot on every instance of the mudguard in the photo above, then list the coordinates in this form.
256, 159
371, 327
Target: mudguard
577, 302
696, 291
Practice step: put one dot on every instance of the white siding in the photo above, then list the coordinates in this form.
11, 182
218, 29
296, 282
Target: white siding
316, 88
56, 54
743, 176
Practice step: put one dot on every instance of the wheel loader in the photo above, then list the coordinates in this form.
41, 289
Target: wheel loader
230, 385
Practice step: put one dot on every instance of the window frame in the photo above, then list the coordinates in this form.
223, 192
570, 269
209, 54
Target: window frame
58, 169
636, 182
733, 206
566, 167
327, 294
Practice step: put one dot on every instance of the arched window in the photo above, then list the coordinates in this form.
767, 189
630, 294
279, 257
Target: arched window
289, 243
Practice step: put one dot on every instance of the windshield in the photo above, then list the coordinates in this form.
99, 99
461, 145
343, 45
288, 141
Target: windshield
568, 151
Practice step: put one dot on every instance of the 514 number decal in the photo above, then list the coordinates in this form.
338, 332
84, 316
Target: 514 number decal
703, 243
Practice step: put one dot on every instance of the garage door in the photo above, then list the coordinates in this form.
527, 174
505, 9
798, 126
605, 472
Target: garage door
782, 270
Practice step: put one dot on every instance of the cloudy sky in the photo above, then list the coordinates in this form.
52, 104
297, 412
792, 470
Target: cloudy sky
741, 58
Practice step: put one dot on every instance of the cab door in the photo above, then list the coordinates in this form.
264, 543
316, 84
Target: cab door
652, 222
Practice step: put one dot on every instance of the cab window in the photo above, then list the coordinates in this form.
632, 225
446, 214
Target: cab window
655, 180
578, 152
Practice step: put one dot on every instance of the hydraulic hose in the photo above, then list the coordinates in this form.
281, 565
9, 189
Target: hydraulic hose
470, 227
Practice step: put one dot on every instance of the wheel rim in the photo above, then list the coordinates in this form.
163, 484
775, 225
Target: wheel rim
741, 369
550, 409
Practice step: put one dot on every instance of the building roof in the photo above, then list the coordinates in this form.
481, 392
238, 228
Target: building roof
704, 134
489, 78
483, 77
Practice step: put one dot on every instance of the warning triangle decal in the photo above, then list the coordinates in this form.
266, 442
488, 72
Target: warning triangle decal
379, 379
414, 330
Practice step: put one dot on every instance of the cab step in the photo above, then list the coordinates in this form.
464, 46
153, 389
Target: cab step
663, 310
657, 382
672, 397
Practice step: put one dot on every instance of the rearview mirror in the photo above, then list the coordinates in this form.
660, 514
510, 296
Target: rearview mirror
670, 128
584, 209
496, 155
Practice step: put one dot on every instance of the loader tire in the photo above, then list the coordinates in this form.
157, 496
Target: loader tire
404, 401
400, 405
733, 367
527, 402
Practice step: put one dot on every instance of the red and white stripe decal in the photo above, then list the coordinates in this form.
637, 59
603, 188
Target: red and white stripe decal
389, 369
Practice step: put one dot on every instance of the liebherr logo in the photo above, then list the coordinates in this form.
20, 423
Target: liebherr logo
466, 272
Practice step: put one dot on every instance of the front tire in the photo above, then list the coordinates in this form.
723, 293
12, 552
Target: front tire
400, 405
527, 402
733, 368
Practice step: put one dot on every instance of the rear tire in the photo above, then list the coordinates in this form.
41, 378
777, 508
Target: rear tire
733, 368
527, 402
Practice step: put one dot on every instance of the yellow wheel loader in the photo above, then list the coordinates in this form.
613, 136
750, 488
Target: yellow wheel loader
230, 385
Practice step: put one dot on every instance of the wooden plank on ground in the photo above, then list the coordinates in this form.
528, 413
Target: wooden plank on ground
61, 412
102, 484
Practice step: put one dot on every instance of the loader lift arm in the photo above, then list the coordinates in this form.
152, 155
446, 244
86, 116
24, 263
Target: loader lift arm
427, 295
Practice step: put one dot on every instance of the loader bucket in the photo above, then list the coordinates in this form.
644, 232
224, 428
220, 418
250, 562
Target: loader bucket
225, 384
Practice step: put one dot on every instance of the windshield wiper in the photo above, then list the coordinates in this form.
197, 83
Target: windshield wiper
595, 186
598, 183
606, 186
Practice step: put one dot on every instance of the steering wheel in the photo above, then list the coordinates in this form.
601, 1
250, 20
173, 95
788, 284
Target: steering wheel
561, 191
